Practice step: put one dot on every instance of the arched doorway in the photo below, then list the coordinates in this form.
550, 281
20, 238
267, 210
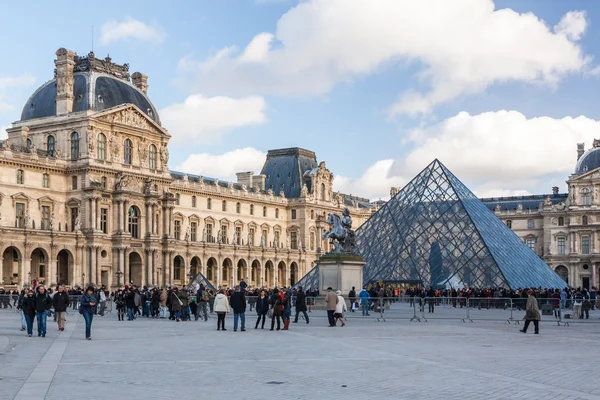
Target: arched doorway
11, 266
281, 281
293, 273
135, 269
178, 270
63, 267
254, 274
269, 274
563, 272
39, 267
194, 266
211, 271
226, 273
241, 270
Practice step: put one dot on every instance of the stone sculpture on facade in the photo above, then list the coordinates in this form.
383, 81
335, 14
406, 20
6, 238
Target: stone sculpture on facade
340, 233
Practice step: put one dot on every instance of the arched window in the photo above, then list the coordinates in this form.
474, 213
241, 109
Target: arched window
561, 221
101, 146
251, 209
28, 143
224, 205
134, 216
128, 153
509, 223
74, 146
209, 204
177, 198
312, 241
323, 197
193, 201
152, 157
238, 208
264, 211
51, 145
104, 182
277, 213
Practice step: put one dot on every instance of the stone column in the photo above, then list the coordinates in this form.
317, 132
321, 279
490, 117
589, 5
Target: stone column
165, 215
125, 267
119, 216
218, 273
594, 270
97, 207
2, 268
171, 272
93, 213
148, 220
98, 266
153, 278
287, 275
164, 268
52, 270
85, 262
24, 268
146, 269
170, 221
93, 265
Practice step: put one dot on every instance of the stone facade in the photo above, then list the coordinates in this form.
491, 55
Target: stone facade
87, 197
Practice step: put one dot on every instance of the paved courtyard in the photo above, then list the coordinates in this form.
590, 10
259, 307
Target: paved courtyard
442, 358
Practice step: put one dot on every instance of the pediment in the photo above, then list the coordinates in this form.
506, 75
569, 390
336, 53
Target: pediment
130, 115
209, 220
45, 200
20, 197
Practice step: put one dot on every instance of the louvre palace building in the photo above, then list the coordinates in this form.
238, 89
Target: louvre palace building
86, 195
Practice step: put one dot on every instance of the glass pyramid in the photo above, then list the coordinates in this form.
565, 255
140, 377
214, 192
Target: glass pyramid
201, 280
310, 280
436, 231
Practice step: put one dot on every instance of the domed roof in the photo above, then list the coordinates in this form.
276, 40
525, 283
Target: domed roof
589, 161
91, 91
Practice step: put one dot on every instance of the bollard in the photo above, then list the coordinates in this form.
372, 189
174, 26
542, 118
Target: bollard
415, 317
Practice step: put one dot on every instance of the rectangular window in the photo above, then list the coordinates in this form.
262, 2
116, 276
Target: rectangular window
193, 201
251, 209
531, 243
251, 236
560, 244
45, 217
585, 245
277, 213
264, 238
238, 235
209, 233
20, 215
74, 182
276, 241
104, 220
177, 229
293, 214
177, 274
193, 231
224, 234
74, 214
46, 180
264, 211
238, 208
20, 176
42, 271
294, 240
530, 224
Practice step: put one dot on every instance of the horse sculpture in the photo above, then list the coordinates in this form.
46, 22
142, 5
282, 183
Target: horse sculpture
340, 233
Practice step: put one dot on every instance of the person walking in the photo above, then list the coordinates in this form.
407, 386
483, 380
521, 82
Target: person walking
331, 300
176, 304
300, 305
577, 304
19, 306
276, 309
287, 309
238, 304
532, 313
202, 296
88, 303
130, 304
43, 302
120, 303
221, 307
364, 301
163, 303
262, 308
352, 298
340, 308
102, 301
61, 303
29, 310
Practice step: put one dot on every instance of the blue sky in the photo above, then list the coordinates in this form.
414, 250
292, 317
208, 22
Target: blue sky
500, 92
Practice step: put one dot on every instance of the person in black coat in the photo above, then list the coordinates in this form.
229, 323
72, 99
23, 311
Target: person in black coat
43, 303
120, 303
277, 306
61, 302
300, 305
262, 308
29, 310
238, 304
130, 304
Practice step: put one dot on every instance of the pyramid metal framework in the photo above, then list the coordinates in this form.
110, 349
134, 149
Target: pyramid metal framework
310, 280
200, 279
436, 231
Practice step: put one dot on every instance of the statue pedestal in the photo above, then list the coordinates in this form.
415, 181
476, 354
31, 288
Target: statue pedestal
340, 272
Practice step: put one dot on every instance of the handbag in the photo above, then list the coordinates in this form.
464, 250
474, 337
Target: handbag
270, 313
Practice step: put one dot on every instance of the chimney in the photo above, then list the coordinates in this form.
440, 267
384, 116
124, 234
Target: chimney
555, 190
258, 181
580, 150
245, 178
140, 81
65, 61
18, 136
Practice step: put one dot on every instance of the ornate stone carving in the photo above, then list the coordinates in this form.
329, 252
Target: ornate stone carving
143, 150
91, 141
129, 117
91, 63
548, 201
596, 143
394, 191
164, 154
115, 145
554, 221
304, 191
282, 194
340, 233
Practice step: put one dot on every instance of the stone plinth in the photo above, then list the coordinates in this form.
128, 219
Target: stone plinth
341, 272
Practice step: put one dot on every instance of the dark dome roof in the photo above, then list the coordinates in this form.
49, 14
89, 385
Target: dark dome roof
91, 91
589, 161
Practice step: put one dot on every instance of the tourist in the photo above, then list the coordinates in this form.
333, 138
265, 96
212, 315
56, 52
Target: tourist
221, 307
585, 310
364, 301
163, 303
532, 313
155, 302
300, 305
238, 304
19, 306
87, 305
29, 310
262, 308
175, 305
130, 304
352, 298
43, 302
102, 301
276, 309
120, 304
185, 309
331, 300
193, 308
286, 302
202, 297
577, 304
340, 308
61, 303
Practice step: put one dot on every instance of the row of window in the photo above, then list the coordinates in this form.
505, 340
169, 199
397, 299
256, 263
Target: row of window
585, 245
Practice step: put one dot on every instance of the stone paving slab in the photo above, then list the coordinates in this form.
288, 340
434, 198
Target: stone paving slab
160, 359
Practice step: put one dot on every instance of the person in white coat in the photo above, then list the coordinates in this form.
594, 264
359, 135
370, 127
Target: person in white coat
221, 307
340, 308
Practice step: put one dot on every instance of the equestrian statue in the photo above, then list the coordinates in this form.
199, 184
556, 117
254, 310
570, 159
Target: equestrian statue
340, 233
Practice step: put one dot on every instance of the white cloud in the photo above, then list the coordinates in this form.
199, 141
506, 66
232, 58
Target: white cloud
461, 48
223, 166
3, 134
500, 153
9, 82
130, 28
202, 119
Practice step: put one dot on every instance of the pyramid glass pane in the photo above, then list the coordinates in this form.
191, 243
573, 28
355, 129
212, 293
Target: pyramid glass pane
201, 280
310, 280
437, 231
